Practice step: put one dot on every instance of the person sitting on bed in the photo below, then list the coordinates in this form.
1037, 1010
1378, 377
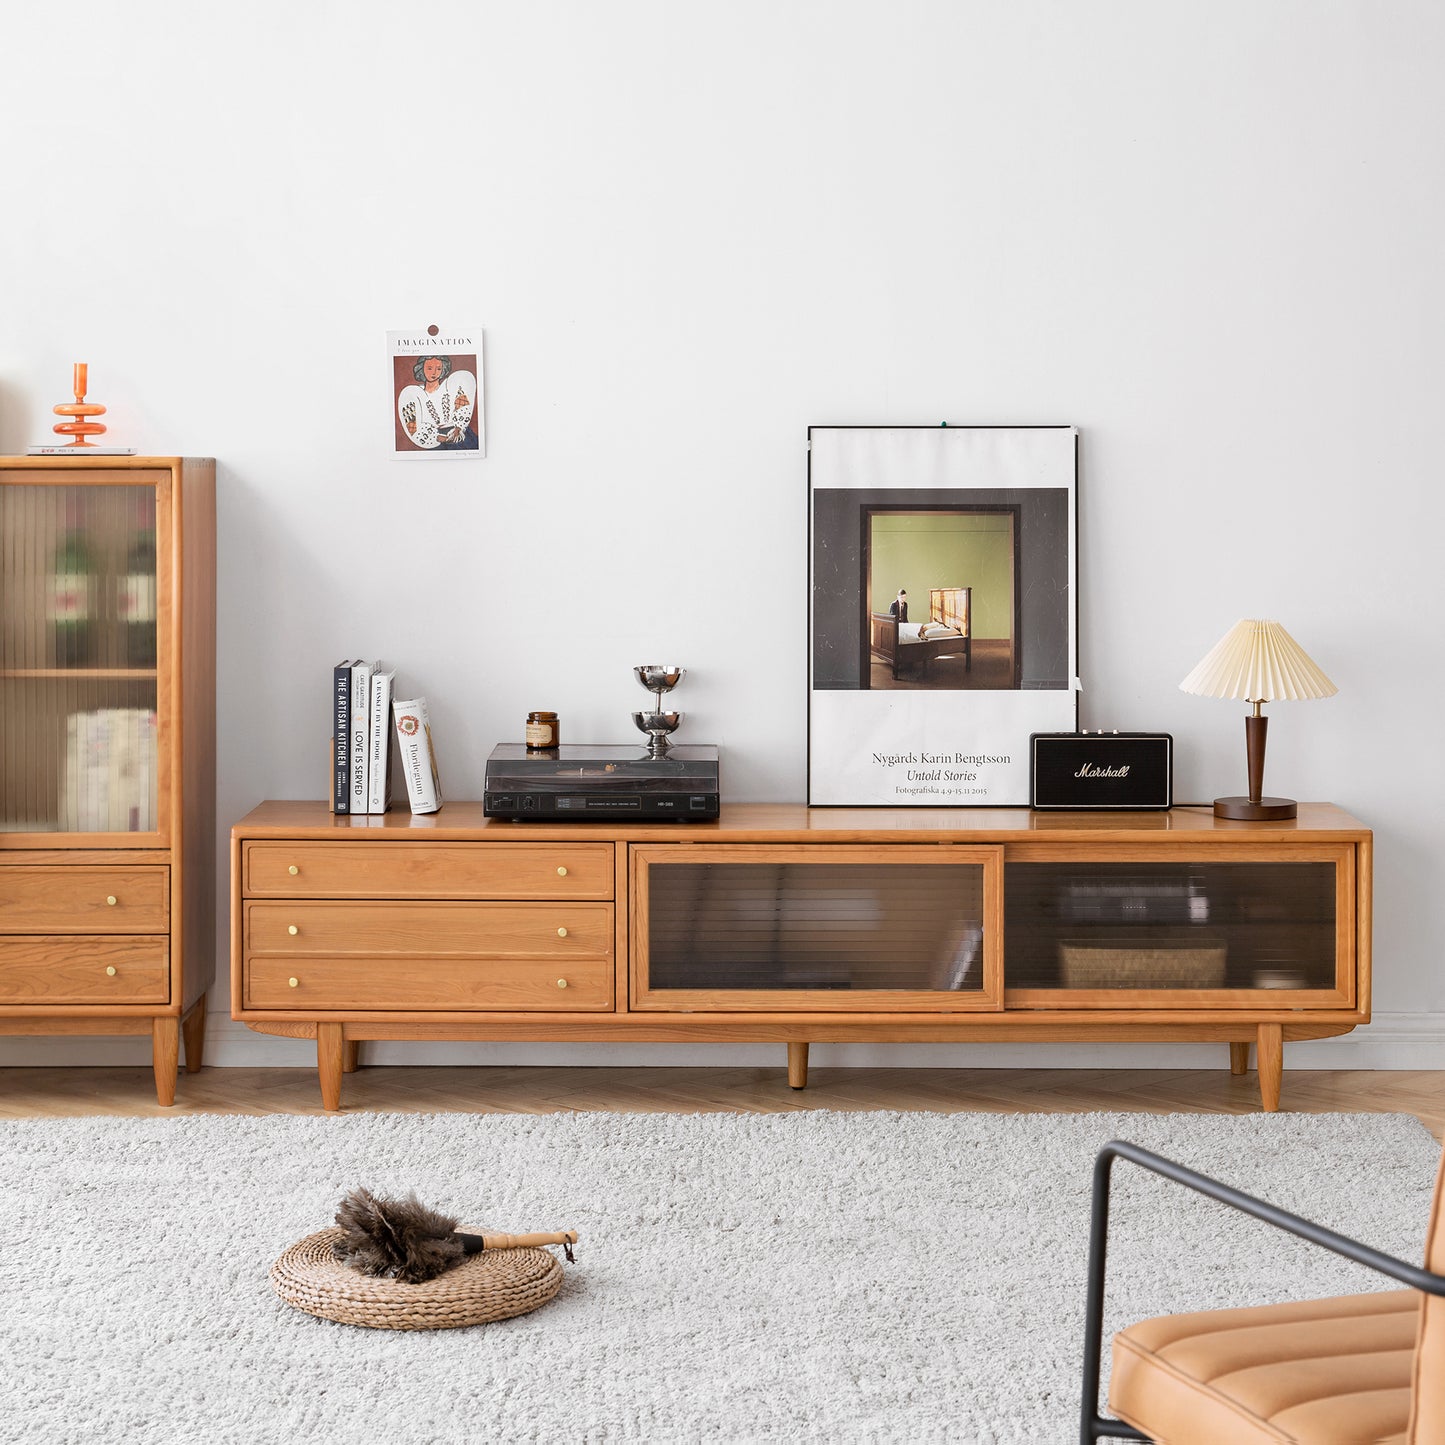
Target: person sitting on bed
899, 606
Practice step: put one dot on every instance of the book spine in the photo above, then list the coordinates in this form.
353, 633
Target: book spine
68, 812
378, 767
69, 450
123, 772
418, 757
360, 734
95, 806
341, 737
148, 771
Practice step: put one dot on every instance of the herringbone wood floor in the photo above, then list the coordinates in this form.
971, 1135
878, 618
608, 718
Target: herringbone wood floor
50, 1093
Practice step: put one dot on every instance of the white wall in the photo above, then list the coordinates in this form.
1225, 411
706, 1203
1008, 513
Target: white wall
1209, 234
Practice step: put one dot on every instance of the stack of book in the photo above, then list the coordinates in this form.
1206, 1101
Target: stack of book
109, 783
364, 716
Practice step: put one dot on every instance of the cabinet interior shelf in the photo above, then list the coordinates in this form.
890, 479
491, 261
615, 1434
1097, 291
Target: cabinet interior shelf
85, 673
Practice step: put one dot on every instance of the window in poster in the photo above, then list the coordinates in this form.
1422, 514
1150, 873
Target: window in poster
942, 612
437, 393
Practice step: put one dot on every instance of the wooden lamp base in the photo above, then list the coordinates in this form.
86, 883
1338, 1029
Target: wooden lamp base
1256, 810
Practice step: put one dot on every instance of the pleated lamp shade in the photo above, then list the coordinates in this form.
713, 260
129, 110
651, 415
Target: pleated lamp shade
1260, 662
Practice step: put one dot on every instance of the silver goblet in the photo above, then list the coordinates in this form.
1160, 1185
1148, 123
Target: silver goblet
657, 723
658, 678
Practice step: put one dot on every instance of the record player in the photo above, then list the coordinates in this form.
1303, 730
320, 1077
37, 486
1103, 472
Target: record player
601, 780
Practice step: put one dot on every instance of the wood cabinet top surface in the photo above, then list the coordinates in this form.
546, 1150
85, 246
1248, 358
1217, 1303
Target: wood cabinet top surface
783, 822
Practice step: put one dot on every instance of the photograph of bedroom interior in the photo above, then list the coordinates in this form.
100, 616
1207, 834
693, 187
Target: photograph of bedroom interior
941, 589
966, 638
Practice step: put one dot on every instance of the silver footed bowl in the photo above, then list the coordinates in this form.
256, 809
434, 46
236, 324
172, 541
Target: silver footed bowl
656, 677
659, 724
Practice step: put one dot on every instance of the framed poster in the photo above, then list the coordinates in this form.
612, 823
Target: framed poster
437, 399
942, 610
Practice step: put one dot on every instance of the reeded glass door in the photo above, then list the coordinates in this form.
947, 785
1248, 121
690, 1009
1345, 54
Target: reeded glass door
1231, 928
81, 651
743, 927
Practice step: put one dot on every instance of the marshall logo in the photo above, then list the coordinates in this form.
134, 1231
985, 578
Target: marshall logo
1093, 770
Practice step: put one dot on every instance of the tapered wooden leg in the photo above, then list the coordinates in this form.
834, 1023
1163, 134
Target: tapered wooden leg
797, 1066
165, 1055
330, 1048
1271, 1064
351, 1056
193, 1031
1239, 1058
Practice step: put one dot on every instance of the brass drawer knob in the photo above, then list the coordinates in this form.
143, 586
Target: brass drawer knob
561, 872
291, 929
293, 983
110, 970
561, 983
561, 933
293, 870
110, 899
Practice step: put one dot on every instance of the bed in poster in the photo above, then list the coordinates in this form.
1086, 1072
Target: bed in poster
942, 614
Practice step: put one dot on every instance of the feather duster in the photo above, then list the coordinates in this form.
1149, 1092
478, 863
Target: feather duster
402, 1239
398, 1238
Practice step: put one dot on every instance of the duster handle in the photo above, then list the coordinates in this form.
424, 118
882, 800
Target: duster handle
475, 1242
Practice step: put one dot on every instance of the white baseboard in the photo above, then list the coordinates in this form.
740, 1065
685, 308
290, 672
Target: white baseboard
1392, 1041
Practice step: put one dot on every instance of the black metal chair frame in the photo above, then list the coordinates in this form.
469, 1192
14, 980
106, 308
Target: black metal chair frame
1093, 1426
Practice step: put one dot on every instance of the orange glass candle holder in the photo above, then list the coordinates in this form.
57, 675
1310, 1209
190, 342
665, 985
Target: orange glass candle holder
79, 410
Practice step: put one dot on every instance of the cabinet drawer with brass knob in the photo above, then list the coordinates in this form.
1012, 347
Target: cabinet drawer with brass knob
439, 870
63, 899
428, 930
444, 983
49, 969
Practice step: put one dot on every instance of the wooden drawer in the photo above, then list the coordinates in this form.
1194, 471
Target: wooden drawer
413, 983
84, 900
72, 970
360, 869
412, 931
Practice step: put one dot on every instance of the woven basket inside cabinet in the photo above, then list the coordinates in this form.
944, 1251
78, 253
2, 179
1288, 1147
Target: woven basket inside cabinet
493, 1285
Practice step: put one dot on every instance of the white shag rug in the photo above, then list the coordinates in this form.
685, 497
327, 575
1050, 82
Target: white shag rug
803, 1277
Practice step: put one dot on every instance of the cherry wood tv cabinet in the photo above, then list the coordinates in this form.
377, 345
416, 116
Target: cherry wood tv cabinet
780, 922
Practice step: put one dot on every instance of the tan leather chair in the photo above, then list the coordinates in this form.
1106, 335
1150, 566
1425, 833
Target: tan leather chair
1366, 1369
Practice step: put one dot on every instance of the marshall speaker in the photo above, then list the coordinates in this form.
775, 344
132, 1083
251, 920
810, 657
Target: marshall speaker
1101, 770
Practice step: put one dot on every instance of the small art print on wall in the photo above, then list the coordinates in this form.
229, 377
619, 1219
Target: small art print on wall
942, 610
437, 393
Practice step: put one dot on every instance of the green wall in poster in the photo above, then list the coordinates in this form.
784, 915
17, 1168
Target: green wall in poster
919, 550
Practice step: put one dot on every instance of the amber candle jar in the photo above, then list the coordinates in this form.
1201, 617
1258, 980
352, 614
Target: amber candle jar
541, 731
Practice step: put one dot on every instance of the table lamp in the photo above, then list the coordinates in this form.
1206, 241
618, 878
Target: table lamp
1260, 662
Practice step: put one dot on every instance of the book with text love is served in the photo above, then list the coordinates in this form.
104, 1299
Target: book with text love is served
360, 759
418, 755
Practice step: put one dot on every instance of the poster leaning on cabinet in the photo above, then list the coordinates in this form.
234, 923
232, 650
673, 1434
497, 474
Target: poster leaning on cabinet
942, 612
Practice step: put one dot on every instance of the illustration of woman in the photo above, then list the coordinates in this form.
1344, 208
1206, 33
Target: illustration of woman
437, 410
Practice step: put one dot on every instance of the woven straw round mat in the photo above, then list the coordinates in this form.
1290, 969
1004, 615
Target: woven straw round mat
492, 1285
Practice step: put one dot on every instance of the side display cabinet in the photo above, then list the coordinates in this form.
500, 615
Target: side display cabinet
107, 753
